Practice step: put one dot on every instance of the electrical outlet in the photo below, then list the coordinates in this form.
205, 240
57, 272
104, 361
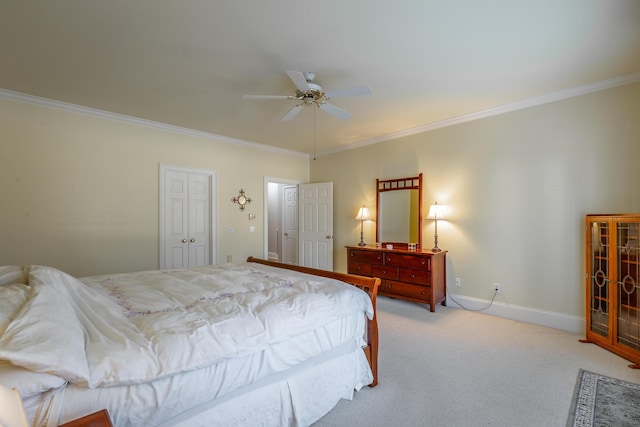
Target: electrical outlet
458, 282
497, 288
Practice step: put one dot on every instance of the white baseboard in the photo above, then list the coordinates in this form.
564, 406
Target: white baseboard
516, 312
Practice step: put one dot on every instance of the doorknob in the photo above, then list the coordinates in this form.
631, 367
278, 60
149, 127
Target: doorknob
286, 234
192, 240
328, 237
184, 240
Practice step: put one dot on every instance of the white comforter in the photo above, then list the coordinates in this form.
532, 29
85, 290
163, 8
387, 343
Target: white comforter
134, 328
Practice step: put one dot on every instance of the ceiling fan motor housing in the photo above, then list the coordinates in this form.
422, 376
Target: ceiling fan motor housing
314, 93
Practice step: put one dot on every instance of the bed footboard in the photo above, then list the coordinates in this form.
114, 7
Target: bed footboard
368, 284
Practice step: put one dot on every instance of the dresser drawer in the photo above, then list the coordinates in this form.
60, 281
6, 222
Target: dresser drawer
368, 257
408, 261
420, 277
359, 268
384, 272
406, 290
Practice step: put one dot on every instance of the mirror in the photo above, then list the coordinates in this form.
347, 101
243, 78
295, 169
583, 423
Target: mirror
399, 211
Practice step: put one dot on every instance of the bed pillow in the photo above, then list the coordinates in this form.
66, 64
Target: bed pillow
28, 383
12, 297
10, 274
45, 340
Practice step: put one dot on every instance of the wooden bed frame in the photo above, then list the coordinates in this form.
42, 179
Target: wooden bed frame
368, 284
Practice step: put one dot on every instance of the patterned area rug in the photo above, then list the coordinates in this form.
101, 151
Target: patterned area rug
599, 400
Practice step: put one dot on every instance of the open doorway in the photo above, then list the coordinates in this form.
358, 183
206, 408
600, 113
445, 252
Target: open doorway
299, 223
280, 220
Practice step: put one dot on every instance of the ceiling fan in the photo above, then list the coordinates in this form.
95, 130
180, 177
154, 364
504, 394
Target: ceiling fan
311, 94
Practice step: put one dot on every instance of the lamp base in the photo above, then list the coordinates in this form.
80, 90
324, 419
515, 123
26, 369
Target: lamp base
362, 243
436, 249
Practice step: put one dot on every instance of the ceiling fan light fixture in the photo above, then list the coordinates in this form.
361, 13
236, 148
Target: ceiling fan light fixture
310, 93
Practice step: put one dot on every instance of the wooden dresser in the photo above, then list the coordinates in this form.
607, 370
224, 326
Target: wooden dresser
412, 275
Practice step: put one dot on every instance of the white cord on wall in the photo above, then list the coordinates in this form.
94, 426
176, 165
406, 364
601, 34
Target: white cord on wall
472, 309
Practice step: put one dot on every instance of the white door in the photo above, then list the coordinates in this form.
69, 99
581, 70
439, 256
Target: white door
290, 224
199, 223
315, 205
186, 218
176, 214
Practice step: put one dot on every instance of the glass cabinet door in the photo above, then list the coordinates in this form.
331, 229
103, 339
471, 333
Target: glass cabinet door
628, 304
599, 278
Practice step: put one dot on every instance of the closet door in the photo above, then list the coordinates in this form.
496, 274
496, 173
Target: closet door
198, 224
185, 218
176, 223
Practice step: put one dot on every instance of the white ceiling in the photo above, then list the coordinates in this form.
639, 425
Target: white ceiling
188, 63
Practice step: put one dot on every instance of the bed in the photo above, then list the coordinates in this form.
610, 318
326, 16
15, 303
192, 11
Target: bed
254, 343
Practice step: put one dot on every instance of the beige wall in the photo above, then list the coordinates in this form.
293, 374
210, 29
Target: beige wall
517, 187
80, 192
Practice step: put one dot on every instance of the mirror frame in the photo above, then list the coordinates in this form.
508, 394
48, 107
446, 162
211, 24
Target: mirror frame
397, 184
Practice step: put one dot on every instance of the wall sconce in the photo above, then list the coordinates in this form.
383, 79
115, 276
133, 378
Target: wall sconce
241, 199
11, 409
436, 212
363, 215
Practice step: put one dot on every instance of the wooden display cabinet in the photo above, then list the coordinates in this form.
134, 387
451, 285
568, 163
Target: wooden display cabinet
613, 295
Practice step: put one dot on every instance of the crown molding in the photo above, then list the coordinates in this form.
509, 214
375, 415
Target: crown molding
507, 108
65, 106
519, 105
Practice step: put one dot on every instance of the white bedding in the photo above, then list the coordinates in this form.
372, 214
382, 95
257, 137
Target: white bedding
153, 328
155, 403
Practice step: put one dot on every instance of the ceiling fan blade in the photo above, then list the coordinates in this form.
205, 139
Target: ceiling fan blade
352, 91
299, 80
292, 113
335, 111
268, 97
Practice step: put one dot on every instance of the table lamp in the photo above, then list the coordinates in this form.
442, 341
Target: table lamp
436, 212
363, 215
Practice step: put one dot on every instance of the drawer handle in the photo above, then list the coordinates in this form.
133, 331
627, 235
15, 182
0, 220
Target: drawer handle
413, 276
423, 292
384, 271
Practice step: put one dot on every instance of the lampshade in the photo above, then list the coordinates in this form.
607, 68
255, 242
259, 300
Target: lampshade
11, 410
436, 212
363, 214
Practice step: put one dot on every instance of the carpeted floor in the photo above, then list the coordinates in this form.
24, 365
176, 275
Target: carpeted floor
455, 368
600, 400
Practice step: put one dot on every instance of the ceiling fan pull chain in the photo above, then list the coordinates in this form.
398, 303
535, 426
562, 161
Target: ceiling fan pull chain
314, 134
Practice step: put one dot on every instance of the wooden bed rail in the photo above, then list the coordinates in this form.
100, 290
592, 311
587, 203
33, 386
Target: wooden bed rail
368, 284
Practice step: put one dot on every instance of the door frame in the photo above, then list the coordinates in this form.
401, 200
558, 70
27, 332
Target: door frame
213, 189
267, 181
